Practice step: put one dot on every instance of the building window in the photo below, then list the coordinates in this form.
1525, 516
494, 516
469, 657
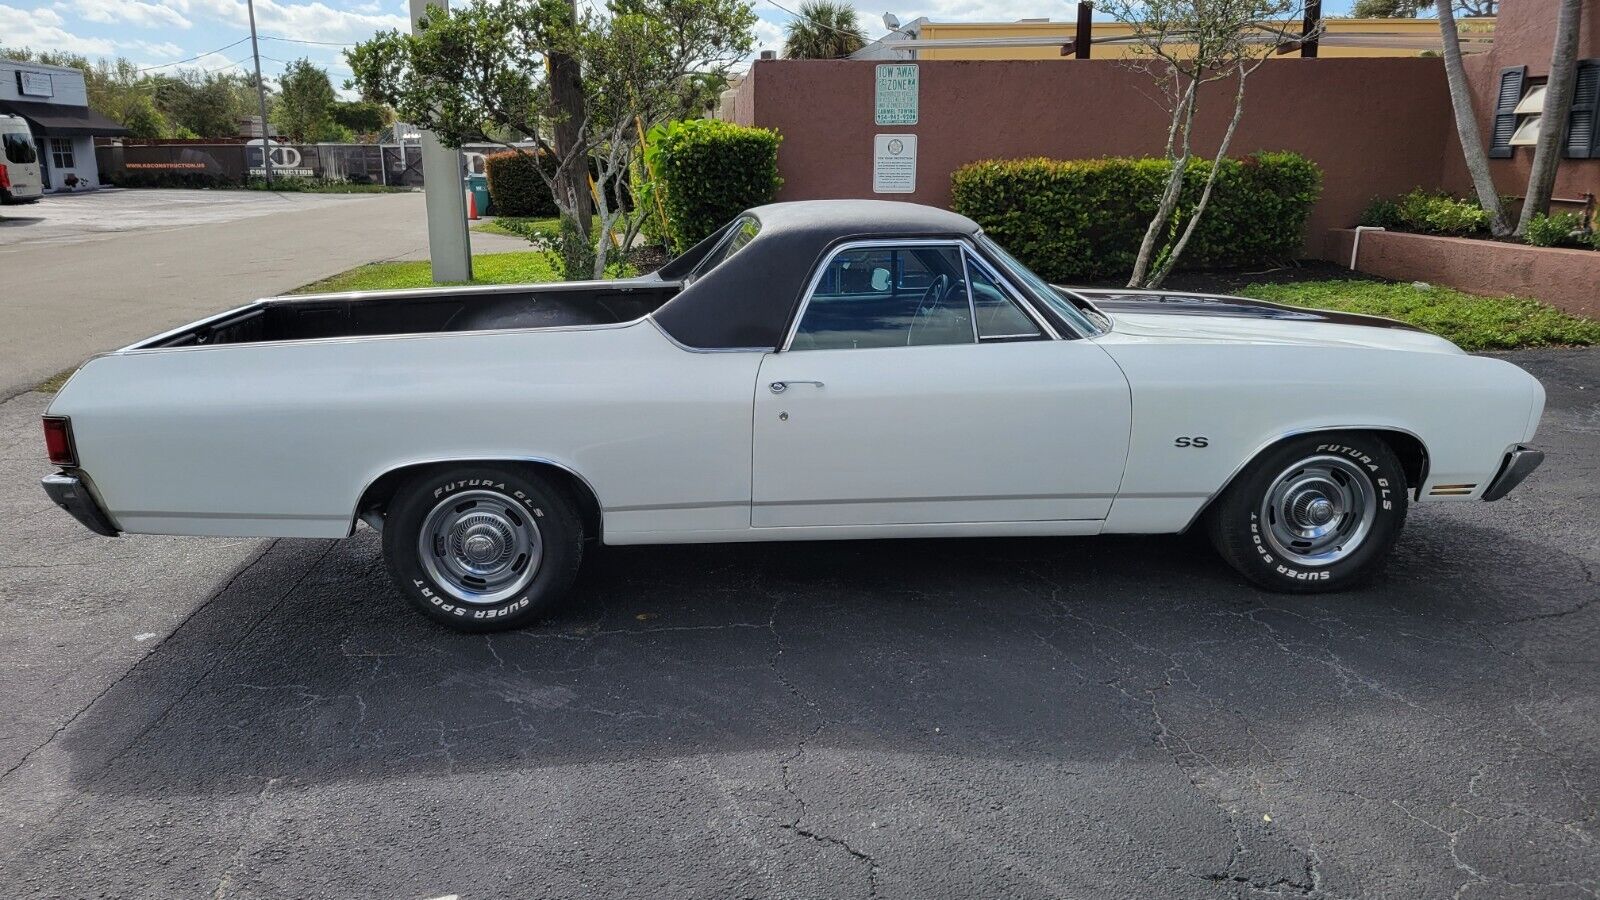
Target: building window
61, 153
1528, 111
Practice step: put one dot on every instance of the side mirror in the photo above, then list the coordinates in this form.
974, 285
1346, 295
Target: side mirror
880, 279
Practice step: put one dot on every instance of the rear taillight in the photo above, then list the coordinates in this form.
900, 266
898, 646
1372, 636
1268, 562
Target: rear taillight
5, 177
58, 442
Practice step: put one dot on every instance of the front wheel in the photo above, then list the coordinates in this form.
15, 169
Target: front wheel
1316, 513
482, 548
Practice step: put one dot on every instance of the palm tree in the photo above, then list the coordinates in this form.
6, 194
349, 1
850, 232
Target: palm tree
823, 30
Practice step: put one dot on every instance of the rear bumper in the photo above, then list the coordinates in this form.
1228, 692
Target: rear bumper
1519, 463
71, 494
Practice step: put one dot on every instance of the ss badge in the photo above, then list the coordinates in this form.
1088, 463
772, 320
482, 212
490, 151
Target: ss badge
1196, 441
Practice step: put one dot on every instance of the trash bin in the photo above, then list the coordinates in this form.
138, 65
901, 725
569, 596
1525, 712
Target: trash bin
479, 186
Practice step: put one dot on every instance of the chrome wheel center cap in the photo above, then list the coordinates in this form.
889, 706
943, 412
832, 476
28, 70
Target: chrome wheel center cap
481, 546
1319, 511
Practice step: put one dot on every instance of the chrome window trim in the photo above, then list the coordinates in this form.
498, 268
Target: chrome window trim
972, 304
1077, 333
962, 245
733, 231
1009, 290
651, 318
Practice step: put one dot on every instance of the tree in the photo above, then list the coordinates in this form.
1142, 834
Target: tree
823, 30
1185, 45
1467, 123
1410, 9
1553, 116
143, 120
305, 102
477, 73
360, 116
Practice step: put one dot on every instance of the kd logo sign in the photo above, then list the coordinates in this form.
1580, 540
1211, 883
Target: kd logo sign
282, 157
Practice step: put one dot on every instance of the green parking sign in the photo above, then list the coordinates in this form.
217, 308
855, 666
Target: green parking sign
896, 96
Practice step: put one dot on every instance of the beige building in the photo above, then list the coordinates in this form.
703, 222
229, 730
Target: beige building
1043, 38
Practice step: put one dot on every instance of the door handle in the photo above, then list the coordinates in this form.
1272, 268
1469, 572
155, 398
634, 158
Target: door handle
779, 387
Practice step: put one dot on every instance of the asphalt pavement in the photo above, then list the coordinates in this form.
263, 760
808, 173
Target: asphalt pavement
1106, 718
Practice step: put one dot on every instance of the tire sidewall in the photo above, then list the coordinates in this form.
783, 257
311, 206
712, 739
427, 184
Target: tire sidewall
1256, 556
549, 510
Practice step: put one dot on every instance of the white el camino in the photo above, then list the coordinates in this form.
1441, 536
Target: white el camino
817, 370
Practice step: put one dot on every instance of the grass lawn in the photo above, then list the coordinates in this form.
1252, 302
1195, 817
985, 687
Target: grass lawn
520, 267
523, 226
1471, 322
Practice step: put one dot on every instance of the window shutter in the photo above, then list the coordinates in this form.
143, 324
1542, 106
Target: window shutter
1583, 121
1505, 119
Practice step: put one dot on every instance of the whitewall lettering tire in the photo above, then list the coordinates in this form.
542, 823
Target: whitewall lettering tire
1315, 513
482, 547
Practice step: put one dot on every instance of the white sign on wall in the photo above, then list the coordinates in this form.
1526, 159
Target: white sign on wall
894, 164
895, 100
35, 84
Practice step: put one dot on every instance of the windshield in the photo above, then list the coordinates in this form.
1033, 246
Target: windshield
1038, 288
19, 148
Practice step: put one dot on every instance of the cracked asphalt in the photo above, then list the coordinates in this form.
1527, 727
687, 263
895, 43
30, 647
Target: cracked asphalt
1105, 718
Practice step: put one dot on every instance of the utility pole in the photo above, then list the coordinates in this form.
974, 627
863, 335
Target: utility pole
261, 91
449, 248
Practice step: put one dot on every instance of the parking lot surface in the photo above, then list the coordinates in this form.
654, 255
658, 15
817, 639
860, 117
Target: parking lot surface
86, 273
1019, 718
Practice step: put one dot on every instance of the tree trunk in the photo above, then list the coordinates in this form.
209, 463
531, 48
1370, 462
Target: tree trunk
1467, 123
1182, 121
1171, 259
566, 94
1553, 118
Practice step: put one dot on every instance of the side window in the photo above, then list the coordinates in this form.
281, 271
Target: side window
997, 314
888, 297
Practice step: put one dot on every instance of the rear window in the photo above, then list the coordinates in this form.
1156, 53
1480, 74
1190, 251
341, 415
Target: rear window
19, 148
742, 232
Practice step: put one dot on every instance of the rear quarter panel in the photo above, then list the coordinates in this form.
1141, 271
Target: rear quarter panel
1243, 397
281, 439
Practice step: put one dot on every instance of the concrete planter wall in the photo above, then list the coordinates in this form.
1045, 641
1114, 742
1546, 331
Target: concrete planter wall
1567, 279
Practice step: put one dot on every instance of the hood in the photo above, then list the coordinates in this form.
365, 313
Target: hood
1178, 315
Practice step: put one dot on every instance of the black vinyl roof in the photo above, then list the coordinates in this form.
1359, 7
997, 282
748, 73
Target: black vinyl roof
747, 301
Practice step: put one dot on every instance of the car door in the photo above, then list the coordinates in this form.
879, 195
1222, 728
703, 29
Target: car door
916, 389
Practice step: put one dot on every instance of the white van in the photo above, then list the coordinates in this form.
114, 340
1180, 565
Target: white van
20, 181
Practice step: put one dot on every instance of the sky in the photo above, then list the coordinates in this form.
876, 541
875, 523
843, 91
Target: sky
212, 35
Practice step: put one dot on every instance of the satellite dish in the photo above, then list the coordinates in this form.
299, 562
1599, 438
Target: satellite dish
891, 21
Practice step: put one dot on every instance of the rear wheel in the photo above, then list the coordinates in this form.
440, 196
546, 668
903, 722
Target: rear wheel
1316, 513
482, 548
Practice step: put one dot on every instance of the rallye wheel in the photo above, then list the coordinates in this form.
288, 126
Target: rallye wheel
1315, 513
482, 547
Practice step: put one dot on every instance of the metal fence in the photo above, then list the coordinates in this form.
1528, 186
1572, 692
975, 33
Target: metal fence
227, 164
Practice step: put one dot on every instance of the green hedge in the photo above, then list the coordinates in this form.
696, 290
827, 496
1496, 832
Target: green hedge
1084, 219
515, 188
711, 171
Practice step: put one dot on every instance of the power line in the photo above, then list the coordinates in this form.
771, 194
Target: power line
193, 58
268, 37
813, 21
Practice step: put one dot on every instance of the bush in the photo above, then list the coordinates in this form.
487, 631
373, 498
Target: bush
1440, 213
515, 188
1559, 230
1381, 213
710, 171
1085, 219
1427, 212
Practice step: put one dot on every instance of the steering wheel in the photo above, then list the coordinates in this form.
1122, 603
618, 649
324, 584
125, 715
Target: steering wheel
931, 298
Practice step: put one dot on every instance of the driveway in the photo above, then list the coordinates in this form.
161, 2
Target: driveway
90, 272
1018, 718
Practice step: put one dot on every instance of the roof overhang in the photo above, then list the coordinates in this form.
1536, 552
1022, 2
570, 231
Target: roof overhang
63, 121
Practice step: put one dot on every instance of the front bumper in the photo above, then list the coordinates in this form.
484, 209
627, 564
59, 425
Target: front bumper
71, 494
1519, 463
